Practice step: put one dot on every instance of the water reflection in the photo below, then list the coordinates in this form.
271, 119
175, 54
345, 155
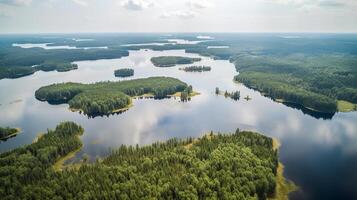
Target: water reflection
319, 155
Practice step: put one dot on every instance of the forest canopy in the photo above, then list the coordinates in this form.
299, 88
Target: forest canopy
170, 61
315, 81
125, 72
7, 132
242, 165
108, 97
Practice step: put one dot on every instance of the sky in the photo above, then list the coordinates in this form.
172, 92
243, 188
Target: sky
72, 16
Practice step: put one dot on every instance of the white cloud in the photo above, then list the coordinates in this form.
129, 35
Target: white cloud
81, 2
16, 2
136, 4
314, 3
199, 4
185, 14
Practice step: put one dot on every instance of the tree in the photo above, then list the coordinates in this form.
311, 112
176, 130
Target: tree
217, 91
184, 96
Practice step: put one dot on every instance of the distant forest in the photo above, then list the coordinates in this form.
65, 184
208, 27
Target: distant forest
316, 71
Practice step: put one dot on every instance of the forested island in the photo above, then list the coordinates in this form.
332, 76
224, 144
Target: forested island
170, 61
17, 72
125, 72
105, 98
315, 82
242, 165
7, 132
196, 69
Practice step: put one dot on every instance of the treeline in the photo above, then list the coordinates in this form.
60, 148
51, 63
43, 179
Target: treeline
242, 165
106, 97
323, 77
267, 84
170, 61
125, 72
7, 132
17, 62
22, 169
17, 72
60, 67
196, 69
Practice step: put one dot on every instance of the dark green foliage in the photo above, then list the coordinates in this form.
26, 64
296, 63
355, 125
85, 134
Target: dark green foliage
217, 91
233, 166
268, 84
60, 67
196, 69
17, 72
126, 72
99, 102
23, 168
233, 95
6, 132
106, 97
170, 61
314, 81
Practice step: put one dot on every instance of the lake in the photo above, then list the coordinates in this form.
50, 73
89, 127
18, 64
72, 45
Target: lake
320, 155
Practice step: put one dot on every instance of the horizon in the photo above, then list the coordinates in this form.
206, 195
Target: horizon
176, 16
242, 32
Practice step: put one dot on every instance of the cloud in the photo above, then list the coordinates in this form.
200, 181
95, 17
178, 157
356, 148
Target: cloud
199, 4
16, 2
136, 4
184, 14
313, 3
81, 2
193, 7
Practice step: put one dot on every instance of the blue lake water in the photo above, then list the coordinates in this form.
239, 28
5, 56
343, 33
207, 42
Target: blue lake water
319, 155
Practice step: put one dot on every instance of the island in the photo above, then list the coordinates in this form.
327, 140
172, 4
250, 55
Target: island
203, 168
105, 98
170, 61
7, 132
125, 72
196, 69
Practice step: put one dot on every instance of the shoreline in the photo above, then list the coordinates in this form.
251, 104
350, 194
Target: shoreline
120, 110
342, 105
59, 164
18, 131
283, 186
178, 94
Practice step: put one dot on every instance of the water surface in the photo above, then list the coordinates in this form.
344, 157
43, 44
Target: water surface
320, 155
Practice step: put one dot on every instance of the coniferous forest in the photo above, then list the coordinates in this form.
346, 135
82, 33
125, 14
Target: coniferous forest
108, 97
242, 165
170, 61
125, 72
7, 132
